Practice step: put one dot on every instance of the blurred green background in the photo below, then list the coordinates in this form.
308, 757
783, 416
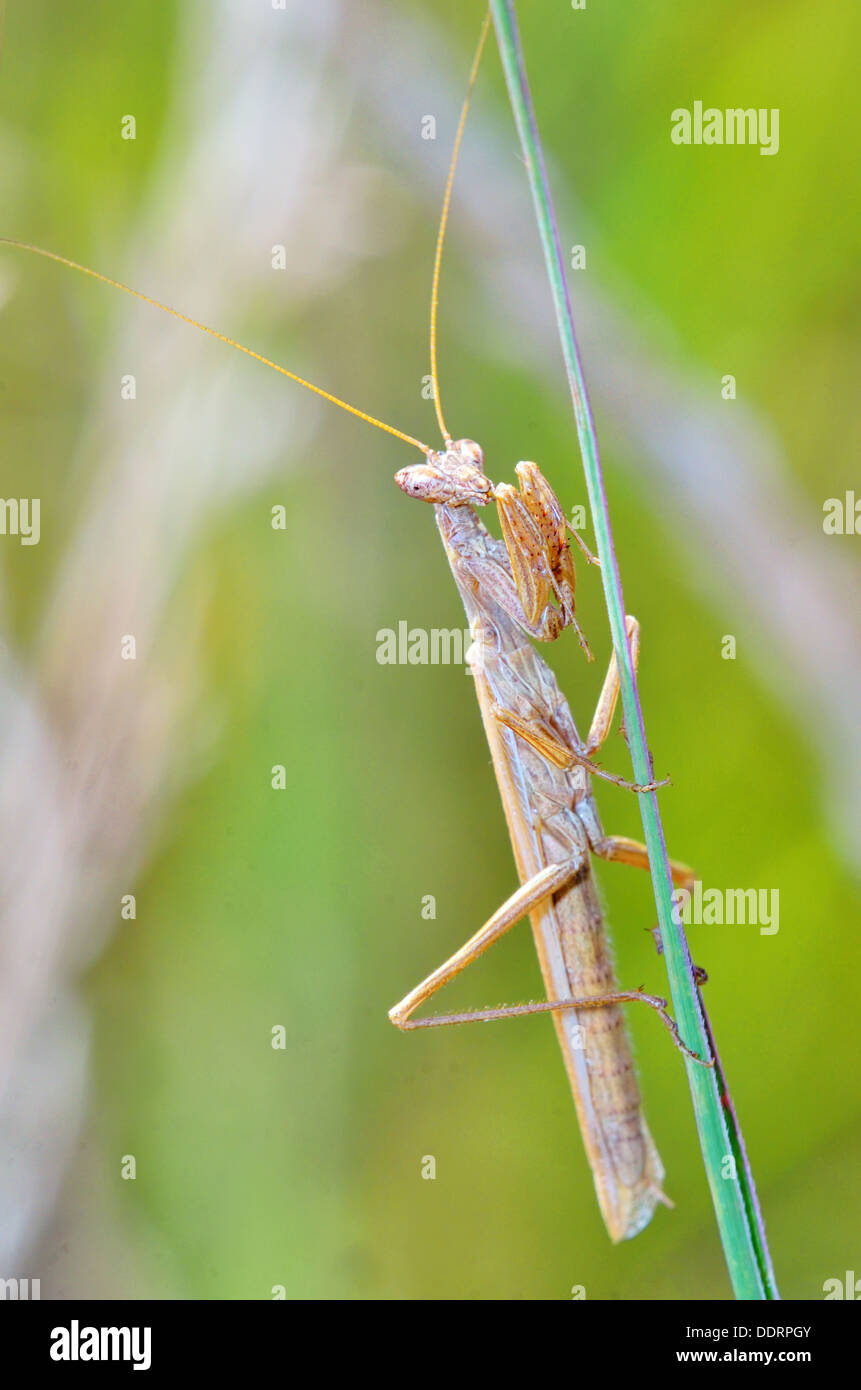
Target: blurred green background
255, 907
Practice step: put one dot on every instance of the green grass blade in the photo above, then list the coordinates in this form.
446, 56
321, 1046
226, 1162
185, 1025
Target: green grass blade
739, 1222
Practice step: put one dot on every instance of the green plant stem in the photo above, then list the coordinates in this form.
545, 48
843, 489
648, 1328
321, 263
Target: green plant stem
739, 1223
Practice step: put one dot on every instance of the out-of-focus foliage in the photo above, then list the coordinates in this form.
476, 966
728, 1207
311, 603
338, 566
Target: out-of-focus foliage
302, 1167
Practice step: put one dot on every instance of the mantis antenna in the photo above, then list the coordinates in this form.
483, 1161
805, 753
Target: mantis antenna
222, 338
443, 223
267, 361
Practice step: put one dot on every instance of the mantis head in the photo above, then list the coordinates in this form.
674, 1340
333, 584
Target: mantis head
455, 476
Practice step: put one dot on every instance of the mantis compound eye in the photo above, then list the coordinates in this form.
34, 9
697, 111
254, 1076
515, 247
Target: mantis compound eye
469, 450
420, 480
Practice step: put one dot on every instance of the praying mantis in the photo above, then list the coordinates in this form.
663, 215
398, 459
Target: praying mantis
543, 773
516, 591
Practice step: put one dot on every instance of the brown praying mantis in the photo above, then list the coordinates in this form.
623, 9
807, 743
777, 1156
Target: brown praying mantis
514, 591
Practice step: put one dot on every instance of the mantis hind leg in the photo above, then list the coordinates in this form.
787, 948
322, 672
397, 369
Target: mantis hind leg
542, 886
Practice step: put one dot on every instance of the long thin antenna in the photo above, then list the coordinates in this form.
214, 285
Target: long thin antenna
222, 338
443, 222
